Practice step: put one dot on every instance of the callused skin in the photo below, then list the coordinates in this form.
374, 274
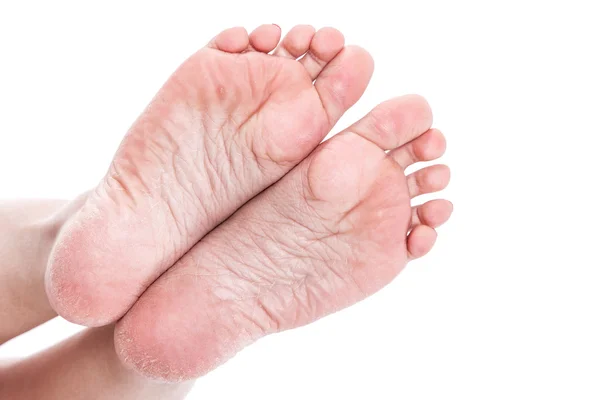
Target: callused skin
83, 366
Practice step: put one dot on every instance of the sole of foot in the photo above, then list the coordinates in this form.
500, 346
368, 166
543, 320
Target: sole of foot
231, 121
333, 231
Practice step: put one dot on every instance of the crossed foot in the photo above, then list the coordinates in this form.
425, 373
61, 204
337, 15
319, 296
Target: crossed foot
222, 219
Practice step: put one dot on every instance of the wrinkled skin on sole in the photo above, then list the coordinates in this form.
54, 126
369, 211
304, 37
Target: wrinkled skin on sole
334, 230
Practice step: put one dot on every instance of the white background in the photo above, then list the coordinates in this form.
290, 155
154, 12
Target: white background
506, 305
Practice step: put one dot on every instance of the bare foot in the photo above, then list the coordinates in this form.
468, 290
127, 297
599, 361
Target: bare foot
229, 122
333, 231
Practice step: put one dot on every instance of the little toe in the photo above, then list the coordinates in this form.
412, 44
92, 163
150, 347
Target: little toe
296, 43
232, 40
395, 122
420, 241
428, 180
324, 46
426, 147
433, 213
265, 38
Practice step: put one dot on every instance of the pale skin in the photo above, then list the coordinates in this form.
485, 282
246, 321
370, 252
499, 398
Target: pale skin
222, 219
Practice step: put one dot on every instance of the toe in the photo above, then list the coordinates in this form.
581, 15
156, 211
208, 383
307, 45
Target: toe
428, 180
429, 146
296, 43
232, 40
343, 81
420, 241
325, 45
433, 213
395, 122
265, 38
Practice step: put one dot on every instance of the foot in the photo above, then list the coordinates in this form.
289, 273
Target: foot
229, 122
333, 231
